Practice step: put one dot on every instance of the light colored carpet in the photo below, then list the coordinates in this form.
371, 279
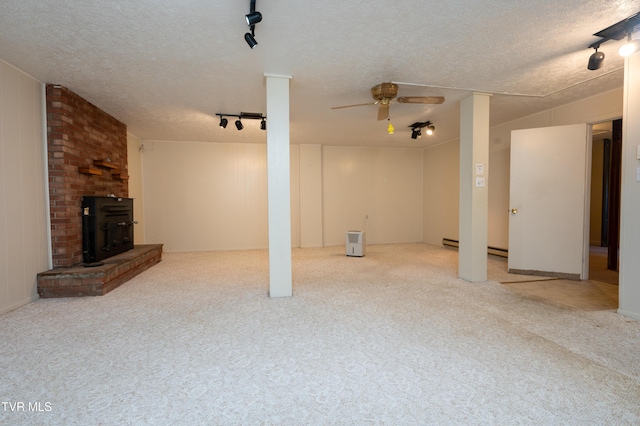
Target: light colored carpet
392, 338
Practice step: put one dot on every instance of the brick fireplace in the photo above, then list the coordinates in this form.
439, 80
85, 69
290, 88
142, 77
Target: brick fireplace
87, 156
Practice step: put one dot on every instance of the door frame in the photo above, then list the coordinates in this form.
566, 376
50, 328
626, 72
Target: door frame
611, 192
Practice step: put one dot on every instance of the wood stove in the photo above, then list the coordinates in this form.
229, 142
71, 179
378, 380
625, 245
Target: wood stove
107, 227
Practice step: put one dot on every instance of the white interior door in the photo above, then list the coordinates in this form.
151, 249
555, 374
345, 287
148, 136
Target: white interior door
548, 199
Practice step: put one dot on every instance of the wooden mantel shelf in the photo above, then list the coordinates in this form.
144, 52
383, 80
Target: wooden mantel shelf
90, 171
105, 163
120, 175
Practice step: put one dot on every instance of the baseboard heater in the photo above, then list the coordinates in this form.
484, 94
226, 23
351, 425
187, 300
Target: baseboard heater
494, 251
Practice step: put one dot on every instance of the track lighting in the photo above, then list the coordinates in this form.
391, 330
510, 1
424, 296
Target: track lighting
630, 47
616, 31
596, 60
252, 19
243, 116
416, 129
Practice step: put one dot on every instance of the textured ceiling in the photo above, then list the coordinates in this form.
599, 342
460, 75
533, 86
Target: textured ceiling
166, 67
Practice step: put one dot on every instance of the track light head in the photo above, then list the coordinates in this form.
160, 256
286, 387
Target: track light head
630, 47
251, 40
239, 125
596, 60
415, 133
430, 129
223, 122
263, 124
253, 18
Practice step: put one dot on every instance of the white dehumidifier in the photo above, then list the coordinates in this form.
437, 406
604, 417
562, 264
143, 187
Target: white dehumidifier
355, 243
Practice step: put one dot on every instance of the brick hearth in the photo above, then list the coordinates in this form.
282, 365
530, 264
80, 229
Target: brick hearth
79, 281
87, 156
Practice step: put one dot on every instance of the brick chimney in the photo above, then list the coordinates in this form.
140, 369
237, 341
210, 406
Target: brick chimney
87, 155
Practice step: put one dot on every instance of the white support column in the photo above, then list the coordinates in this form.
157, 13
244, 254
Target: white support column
474, 196
629, 286
278, 185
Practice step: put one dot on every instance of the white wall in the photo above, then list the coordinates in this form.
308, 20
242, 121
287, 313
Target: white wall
310, 195
201, 196
205, 196
441, 221
208, 196
441, 192
498, 182
630, 206
383, 183
296, 195
24, 247
134, 166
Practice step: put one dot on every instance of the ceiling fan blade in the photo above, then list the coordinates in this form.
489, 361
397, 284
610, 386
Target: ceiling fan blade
350, 106
383, 111
421, 99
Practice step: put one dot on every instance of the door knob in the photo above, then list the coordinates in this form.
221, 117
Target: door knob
514, 211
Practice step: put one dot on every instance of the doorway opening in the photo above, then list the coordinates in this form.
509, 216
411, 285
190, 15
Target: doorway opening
604, 227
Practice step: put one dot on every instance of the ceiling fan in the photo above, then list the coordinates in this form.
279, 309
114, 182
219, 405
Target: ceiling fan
385, 93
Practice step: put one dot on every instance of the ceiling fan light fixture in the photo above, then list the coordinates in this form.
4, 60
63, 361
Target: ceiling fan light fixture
385, 94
